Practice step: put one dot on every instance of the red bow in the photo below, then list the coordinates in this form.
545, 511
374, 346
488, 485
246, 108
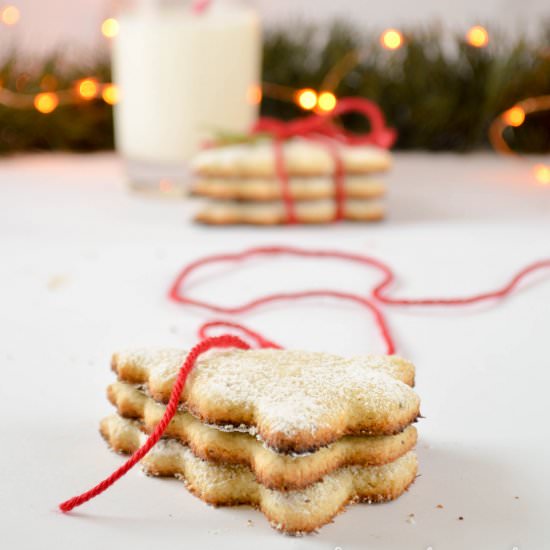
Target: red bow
322, 124
321, 127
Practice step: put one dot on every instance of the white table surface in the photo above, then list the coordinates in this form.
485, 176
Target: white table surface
84, 269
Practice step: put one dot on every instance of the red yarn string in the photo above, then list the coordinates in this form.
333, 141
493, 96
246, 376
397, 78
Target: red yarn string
339, 184
176, 290
256, 337
320, 128
224, 341
282, 176
293, 296
378, 296
323, 124
379, 292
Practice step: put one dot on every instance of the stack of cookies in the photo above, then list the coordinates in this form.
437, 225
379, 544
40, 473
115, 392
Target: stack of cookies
298, 435
241, 184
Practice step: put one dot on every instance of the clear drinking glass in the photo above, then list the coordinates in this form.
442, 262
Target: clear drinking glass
183, 75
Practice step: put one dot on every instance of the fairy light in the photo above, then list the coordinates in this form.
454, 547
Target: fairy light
391, 39
46, 102
254, 94
477, 36
542, 173
50, 98
10, 15
326, 101
306, 98
109, 27
514, 117
87, 88
110, 94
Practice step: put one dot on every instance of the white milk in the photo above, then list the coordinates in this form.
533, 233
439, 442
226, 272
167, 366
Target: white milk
182, 77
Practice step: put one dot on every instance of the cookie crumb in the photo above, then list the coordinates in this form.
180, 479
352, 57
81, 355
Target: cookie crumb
439, 506
57, 281
249, 523
411, 520
517, 498
461, 518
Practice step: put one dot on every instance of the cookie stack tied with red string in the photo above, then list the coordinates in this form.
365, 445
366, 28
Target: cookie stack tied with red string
309, 170
298, 435
242, 184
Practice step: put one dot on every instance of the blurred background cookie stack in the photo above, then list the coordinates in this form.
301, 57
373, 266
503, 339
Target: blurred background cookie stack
242, 185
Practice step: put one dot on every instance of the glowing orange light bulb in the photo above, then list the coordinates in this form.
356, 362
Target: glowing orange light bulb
306, 98
542, 174
88, 88
10, 15
391, 39
109, 27
111, 94
478, 37
326, 101
514, 116
254, 94
46, 102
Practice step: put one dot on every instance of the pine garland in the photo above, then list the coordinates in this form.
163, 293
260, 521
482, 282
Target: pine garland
84, 126
439, 92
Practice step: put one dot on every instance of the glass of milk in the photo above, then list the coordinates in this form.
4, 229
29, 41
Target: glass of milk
183, 76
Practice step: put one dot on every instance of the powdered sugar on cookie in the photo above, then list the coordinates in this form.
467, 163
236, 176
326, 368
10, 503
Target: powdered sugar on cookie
297, 401
302, 157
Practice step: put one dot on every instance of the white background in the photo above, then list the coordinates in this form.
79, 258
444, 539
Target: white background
84, 271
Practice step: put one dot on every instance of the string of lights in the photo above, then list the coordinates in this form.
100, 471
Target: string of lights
85, 89
307, 99
323, 100
514, 118
9, 15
